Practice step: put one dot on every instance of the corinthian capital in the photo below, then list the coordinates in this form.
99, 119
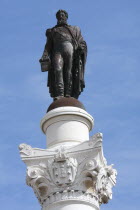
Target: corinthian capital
70, 173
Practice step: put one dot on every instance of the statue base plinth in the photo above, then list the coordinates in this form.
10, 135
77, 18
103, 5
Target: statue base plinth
66, 101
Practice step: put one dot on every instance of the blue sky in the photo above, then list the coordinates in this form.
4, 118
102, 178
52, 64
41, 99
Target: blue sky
112, 32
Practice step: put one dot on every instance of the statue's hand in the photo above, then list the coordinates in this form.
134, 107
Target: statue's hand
81, 48
44, 58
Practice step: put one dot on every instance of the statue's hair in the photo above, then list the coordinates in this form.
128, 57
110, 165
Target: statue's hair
61, 11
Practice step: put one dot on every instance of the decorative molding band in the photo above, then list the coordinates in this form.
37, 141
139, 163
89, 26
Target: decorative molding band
71, 195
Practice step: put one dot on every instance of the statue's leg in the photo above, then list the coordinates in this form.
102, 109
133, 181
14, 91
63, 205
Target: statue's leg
58, 71
68, 73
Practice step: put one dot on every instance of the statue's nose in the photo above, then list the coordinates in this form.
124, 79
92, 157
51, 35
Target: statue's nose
62, 16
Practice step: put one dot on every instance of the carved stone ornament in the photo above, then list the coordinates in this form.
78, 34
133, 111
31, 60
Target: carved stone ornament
62, 169
25, 150
70, 173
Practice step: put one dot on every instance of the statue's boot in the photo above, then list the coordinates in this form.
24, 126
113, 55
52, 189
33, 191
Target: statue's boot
59, 84
60, 92
68, 87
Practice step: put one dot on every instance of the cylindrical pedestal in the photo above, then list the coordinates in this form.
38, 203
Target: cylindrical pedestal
66, 125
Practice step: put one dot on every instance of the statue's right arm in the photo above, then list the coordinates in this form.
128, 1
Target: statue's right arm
48, 46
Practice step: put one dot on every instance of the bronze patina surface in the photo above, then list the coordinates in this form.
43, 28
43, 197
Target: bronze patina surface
66, 102
64, 58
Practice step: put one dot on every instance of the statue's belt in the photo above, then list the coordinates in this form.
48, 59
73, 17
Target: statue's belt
63, 37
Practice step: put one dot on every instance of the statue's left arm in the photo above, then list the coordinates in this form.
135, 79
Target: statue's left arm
82, 46
79, 61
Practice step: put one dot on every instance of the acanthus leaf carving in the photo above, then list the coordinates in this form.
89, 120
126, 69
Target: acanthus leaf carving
105, 181
38, 178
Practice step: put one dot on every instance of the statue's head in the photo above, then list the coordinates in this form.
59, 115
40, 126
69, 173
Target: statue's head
62, 17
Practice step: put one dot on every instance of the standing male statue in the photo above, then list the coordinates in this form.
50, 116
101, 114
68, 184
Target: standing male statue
64, 58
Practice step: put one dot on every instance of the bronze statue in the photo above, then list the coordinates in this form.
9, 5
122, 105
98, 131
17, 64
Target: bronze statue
64, 58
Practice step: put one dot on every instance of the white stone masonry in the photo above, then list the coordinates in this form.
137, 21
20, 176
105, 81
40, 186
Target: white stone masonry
72, 172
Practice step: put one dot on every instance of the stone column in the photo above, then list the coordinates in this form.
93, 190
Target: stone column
72, 172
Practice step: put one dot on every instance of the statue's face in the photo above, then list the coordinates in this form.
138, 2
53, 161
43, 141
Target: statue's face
62, 18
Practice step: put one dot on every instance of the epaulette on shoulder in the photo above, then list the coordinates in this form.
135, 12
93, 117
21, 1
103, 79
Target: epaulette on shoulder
74, 28
77, 28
